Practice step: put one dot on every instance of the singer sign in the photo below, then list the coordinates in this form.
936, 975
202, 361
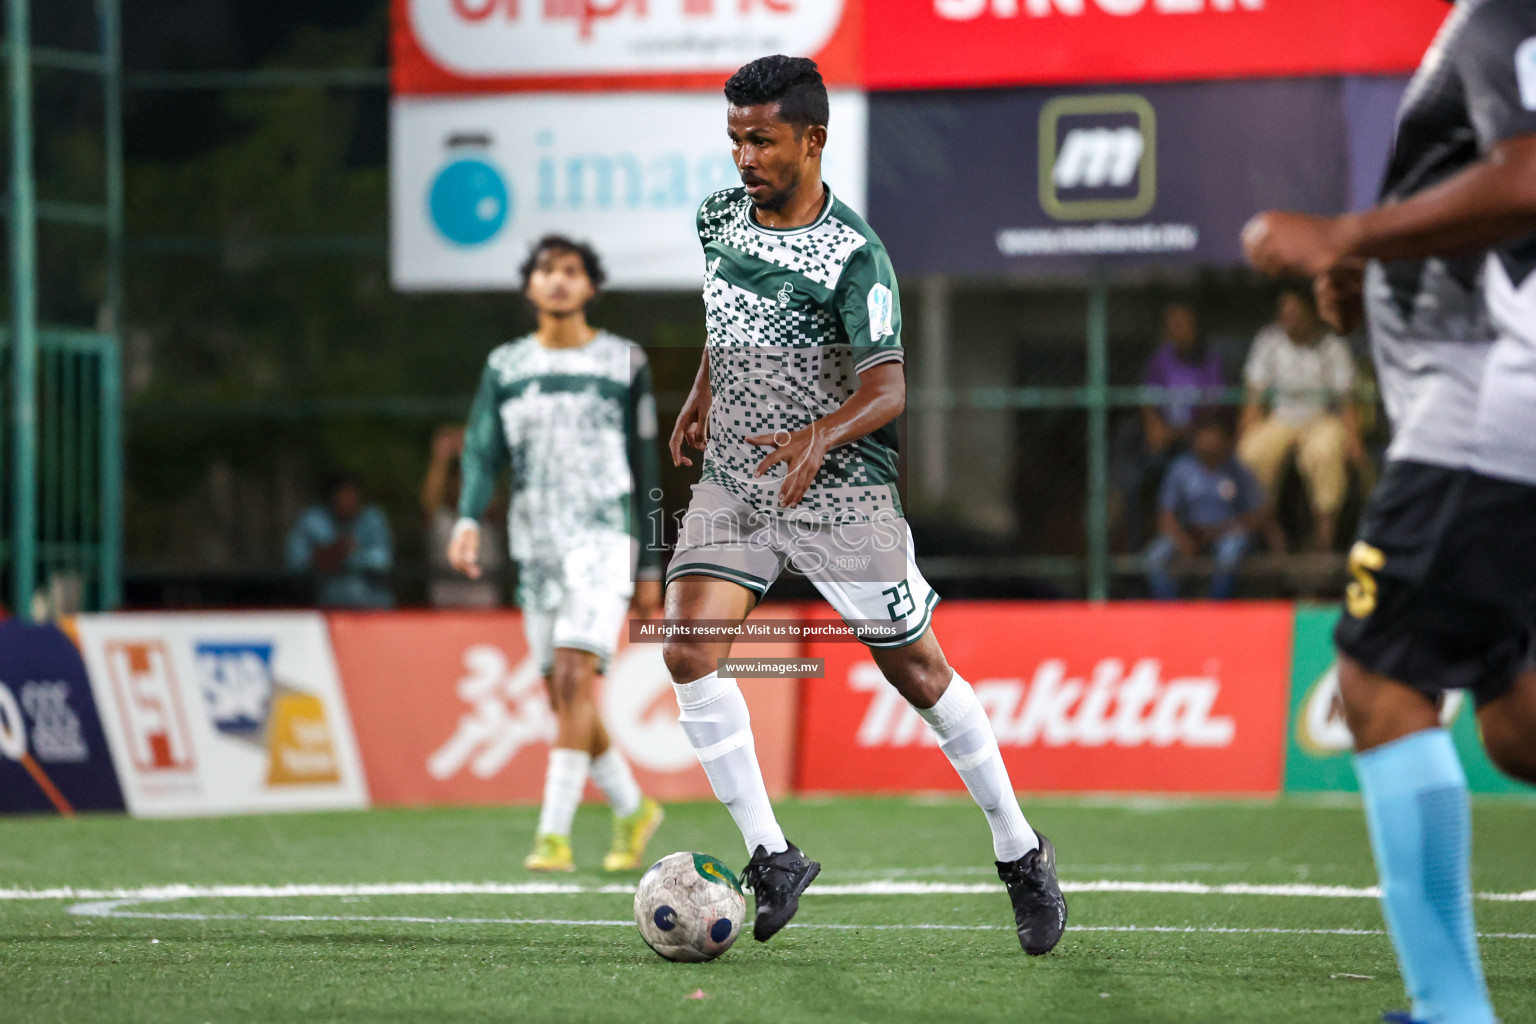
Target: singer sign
925, 44
458, 46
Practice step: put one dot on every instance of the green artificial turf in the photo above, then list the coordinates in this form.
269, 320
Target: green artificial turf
229, 961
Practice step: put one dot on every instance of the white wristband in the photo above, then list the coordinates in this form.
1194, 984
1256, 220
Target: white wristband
464, 524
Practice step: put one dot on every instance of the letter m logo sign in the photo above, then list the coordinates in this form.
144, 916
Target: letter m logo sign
1098, 157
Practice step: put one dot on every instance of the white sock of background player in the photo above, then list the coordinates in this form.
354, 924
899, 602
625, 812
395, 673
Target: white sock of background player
713, 713
611, 774
564, 780
966, 737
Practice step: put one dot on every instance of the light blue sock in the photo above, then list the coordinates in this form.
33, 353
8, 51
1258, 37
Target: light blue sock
1421, 833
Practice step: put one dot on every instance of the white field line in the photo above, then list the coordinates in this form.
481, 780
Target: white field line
112, 909
870, 888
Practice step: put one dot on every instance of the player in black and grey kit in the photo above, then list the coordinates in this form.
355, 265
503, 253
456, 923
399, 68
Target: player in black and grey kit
1443, 594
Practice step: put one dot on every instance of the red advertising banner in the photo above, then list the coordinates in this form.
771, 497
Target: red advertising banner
925, 44
450, 709
1119, 698
468, 46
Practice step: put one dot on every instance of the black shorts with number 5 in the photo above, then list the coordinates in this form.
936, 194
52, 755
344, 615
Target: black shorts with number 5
1442, 592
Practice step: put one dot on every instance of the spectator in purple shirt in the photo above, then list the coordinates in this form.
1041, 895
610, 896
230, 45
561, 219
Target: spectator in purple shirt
1183, 361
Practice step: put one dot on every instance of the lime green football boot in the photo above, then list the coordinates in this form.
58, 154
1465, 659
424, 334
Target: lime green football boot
550, 853
630, 834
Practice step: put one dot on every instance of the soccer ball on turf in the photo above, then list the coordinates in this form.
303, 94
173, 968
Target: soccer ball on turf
689, 907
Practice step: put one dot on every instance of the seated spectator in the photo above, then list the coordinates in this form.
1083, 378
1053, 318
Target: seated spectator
446, 587
1185, 363
1210, 504
1300, 378
346, 545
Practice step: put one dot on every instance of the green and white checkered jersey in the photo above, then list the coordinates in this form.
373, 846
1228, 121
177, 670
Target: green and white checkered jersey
793, 317
577, 427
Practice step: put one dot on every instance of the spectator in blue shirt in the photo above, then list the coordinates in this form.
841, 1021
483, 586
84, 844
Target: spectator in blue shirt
346, 545
1209, 504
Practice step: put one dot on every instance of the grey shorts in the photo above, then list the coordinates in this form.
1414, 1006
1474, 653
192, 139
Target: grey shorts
864, 569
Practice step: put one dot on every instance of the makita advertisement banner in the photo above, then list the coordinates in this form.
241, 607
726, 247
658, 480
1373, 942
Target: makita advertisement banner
1045, 180
952, 43
53, 753
463, 46
1318, 751
223, 714
474, 181
450, 708
1083, 698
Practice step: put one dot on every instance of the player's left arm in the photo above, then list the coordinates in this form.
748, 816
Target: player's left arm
869, 305
645, 477
1488, 203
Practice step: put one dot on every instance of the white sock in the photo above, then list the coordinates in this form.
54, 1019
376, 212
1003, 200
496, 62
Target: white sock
611, 774
713, 713
564, 780
966, 737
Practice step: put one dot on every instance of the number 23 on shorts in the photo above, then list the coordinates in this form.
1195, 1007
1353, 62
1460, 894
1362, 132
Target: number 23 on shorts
901, 594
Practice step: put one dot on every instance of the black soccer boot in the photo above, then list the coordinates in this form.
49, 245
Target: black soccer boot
776, 881
1039, 910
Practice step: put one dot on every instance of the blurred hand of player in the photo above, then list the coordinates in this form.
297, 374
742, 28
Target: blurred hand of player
692, 427
1293, 243
464, 550
801, 450
1340, 297
447, 443
647, 600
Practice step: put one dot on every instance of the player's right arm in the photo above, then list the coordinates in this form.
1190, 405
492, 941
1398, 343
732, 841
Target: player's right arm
484, 453
692, 426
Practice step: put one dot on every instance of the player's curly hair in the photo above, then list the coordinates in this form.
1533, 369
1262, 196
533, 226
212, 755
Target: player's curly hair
792, 82
560, 243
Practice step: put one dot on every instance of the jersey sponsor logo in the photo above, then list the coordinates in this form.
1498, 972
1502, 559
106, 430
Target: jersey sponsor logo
1111, 705
1098, 157
511, 38
1525, 72
786, 295
881, 312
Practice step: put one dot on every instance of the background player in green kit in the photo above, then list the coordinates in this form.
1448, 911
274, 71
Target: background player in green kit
794, 408
569, 407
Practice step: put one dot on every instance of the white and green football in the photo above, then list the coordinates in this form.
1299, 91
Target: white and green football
689, 907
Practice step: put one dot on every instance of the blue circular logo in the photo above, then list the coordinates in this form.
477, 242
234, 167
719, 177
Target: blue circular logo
665, 918
469, 201
720, 930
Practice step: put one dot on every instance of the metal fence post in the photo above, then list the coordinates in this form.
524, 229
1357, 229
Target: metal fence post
932, 435
1098, 435
23, 314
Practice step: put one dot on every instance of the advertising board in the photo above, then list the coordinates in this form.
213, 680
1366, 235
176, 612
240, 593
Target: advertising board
223, 714
1118, 698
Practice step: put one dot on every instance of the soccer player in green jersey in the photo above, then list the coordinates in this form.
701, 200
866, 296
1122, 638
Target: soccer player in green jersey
794, 408
569, 407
